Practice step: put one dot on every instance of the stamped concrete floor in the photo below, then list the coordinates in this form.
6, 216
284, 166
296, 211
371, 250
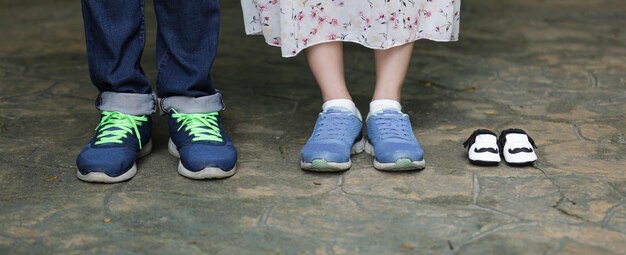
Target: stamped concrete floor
554, 68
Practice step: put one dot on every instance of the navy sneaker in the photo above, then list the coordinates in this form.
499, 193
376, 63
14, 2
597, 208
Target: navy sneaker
200, 142
392, 143
119, 141
336, 136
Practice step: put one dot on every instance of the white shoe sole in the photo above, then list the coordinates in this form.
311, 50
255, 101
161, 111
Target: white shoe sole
402, 164
104, 178
205, 173
321, 165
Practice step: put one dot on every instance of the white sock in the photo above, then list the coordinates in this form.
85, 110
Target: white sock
342, 103
384, 104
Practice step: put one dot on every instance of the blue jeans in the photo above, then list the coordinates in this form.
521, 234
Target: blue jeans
186, 46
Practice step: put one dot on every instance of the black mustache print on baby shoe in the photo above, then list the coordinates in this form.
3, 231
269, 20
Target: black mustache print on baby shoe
520, 150
486, 149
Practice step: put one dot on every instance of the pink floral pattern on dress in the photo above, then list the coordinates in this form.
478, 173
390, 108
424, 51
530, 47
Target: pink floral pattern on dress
295, 25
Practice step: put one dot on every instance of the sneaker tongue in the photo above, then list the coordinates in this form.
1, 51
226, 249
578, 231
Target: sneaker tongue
338, 109
391, 110
111, 129
388, 111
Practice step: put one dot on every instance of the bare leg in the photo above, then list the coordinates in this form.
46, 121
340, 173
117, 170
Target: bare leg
326, 63
391, 68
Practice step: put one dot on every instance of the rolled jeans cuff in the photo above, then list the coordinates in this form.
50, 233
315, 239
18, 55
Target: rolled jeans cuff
183, 104
127, 103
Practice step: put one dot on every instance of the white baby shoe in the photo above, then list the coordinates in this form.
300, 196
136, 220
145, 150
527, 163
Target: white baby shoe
482, 148
517, 148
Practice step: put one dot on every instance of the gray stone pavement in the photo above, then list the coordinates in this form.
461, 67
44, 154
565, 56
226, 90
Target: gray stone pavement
555, 68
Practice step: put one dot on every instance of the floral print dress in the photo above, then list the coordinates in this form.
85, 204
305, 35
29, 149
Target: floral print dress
295, 25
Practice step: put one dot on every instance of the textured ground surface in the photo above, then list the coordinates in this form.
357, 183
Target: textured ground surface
555, 68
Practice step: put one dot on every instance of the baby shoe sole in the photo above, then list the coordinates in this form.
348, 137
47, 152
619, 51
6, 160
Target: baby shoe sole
484, 163
520, 164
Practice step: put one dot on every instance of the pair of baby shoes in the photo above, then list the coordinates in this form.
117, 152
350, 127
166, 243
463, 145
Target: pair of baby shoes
514, 145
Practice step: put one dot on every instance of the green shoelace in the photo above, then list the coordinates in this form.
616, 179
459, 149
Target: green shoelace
202, 126
114, 126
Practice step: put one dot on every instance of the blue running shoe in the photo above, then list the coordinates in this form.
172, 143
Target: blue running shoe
337, 134
119, 141
200, 142
392, 142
